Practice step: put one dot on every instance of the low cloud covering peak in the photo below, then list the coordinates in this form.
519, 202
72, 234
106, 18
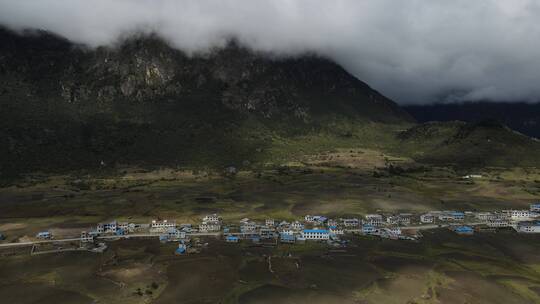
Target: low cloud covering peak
414, 51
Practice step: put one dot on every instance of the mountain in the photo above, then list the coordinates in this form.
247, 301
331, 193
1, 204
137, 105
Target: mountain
522, 117
144, 103
469, 145
65, 106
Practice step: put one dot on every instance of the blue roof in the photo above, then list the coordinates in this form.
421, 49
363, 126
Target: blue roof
315, 231
464, 228
286, 236
180, 250
458, 213
333, 227
232, 237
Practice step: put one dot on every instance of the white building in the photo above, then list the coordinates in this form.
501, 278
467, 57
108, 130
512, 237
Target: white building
212, 223
374, 220
395, 230
248, 227
427, 218
309, 218
161, 226
296, 225
288, 232
333, 230
315, 234
284, 224
214, 218
269, 222
451, 216
350, 222
498, 223
107, 227
392, 232
520, 215
175, 234
392, 219
471, 176
403, 219
267, 232
485, 216
209, 227
528, 227
86, 237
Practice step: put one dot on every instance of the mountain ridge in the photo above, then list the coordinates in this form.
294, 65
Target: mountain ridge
67, 107
143, 101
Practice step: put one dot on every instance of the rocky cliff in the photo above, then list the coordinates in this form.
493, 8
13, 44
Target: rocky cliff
65, 105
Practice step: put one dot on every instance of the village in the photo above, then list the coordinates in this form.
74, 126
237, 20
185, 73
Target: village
270, 232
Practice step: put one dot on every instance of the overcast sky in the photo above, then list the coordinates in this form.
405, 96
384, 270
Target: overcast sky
414, 51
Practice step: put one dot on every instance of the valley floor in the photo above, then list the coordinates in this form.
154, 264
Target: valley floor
441, 268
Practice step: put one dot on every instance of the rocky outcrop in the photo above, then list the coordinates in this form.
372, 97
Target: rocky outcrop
144, 101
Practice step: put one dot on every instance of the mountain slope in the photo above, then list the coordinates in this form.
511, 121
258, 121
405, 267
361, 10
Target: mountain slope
65, 106
486, 143
523, 117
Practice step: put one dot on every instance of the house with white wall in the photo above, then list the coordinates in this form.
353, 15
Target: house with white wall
296, 225
350, 222
209, 227
427, 218
212, 218
374, 220
161, 225
110, 227
520, 215
315, 234
528, 227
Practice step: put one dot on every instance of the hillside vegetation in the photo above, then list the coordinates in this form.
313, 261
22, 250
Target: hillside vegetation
143, 103
475, 145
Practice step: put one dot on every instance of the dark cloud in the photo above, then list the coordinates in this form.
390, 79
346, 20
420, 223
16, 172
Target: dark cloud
413, 51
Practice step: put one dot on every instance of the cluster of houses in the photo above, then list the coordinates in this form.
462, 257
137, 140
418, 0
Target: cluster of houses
321, 228
523, 221
210, 223
317, 228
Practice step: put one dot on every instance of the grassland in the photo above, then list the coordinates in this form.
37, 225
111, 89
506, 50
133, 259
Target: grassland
334, 183
441, 268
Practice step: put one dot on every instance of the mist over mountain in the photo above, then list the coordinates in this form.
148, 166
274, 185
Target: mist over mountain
67, 106
412, 51
142, 102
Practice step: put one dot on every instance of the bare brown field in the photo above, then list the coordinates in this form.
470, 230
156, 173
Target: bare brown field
441, 268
